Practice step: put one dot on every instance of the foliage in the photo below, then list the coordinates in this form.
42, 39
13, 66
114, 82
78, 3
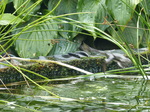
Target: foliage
32, 40
48, 27
9, 19
64, 19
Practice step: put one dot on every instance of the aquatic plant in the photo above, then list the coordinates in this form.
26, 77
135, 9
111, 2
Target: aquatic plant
48, 27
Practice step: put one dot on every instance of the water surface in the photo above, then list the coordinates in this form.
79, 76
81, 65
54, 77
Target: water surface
98, 95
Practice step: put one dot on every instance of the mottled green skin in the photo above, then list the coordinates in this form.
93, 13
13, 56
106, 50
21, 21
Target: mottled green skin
50, 70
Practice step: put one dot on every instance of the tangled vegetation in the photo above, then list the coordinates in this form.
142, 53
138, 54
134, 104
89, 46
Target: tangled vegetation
32, 28
49, 27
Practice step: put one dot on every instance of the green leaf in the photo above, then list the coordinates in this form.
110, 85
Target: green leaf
7, 18
131, 36
3, 4
102, 16
122, 10
64, 46
68, 30
146, 6
88, 19
10, 1
26, 7
65, 7
36, 41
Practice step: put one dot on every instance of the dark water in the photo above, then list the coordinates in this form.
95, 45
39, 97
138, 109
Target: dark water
99, 95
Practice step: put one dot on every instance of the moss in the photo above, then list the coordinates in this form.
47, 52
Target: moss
51, 70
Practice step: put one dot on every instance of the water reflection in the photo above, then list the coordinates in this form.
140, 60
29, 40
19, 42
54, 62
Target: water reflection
101, 94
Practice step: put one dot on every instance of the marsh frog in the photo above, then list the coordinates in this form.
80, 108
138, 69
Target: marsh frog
120, 59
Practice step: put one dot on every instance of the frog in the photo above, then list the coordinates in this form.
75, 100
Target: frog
121, 60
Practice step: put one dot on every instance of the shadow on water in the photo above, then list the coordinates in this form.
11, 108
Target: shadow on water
99, 95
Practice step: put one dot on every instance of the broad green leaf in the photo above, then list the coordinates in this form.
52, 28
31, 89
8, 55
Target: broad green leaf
68, 30
64, 46
10, 1
7, 18
88, 19
102, 16
132, 35
26, 7
122, 10
65, 7
36, 41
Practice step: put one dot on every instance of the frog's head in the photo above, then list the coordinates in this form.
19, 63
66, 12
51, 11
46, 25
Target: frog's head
123, 63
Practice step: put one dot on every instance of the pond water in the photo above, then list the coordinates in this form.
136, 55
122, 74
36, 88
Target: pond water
104, 94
